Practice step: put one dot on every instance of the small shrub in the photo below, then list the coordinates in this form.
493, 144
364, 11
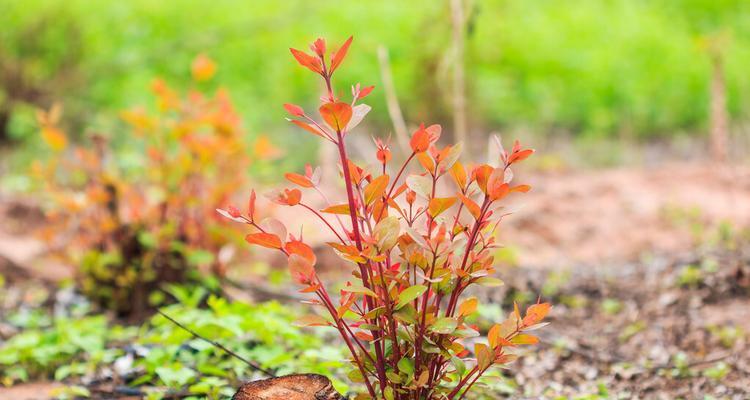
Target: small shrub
136, 218
415, 248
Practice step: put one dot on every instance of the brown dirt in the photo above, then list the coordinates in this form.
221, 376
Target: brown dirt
30, 391
611, 216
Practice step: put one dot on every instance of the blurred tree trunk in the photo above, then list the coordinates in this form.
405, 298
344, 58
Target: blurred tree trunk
718, 106
459, 83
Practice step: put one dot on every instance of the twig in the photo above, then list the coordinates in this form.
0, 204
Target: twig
394, 110
219, 345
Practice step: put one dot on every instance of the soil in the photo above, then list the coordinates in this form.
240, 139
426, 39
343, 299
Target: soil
609, 249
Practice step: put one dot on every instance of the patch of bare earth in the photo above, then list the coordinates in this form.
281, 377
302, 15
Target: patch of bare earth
610, 216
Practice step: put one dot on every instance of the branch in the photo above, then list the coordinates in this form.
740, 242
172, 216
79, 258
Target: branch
219, 345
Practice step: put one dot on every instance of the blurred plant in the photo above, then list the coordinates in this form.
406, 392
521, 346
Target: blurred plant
131, 223
402, 317
718, 371
727, 335
160, 355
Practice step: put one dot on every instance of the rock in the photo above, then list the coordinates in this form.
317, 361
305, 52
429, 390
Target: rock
289, 387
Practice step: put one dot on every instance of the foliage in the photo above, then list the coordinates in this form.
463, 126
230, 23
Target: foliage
133, 220
414, 248
160, 357
598, 68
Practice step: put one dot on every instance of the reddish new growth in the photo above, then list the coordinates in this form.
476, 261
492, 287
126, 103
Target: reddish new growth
414, 248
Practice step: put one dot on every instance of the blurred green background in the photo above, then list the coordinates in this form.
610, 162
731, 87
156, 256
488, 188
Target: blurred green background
610, 69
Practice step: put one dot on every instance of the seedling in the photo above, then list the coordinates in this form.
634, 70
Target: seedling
414, 246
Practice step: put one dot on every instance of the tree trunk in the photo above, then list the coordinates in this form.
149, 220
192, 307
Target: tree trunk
718, 107
459, 84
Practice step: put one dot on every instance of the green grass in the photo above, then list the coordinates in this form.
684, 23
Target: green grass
589, 67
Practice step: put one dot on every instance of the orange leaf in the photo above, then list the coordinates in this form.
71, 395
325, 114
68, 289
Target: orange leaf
376, 188
520, 188
439, 205
338, 56
311, 320
264, 239
312, 129
496, 186
336, 115
524, 339
468, 307
458, 173
364, 336
426, 161
482, 174
307, 61
420, 140
342, 209
536, 313
203, 68
470, 205
302, 249
298, 179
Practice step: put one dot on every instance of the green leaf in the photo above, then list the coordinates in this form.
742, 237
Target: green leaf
406, 365
422, 185
484, 355
386, 232
444, 325
359, 289
489, 281
410, 294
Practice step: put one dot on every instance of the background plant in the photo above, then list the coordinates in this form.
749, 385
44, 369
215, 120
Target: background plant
130, 221
416, 244
594, 72
158, 358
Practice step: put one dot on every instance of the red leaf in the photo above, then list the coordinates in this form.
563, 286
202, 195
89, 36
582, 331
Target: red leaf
336, 115
364, 92
294, 109
233, 211
420, 141
319, 47
307, 61
264, 239
338, 56
520, 156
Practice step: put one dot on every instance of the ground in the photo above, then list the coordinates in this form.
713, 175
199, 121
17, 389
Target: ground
647, 268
